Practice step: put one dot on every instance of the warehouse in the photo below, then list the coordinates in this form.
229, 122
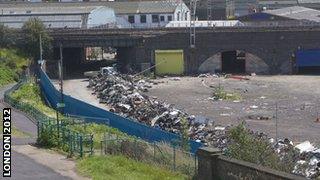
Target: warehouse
59, 17
283, 15
133, 14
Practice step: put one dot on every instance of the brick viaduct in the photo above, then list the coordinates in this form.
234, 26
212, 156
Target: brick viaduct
274, 46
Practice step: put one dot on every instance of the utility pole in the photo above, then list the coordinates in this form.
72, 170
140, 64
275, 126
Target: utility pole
41, 49
61, 73
193, 8
209, 9
276, 122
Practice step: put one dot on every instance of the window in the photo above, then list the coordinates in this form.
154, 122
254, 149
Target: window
186, 16
161, 18
143, 18
131, 19
155, 18
178, 16
169, 18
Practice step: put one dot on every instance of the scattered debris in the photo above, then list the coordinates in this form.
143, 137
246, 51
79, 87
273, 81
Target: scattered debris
254, 107
175, 79
239, 77
124, 95
258, 117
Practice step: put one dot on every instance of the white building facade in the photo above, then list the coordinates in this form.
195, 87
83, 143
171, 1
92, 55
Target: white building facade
150, 14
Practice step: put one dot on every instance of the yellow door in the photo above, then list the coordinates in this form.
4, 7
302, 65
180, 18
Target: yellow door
169, 62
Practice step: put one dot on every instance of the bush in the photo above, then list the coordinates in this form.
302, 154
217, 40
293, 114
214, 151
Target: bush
46, 138
247, 147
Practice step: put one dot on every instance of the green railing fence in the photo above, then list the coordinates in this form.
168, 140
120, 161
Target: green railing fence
53, 132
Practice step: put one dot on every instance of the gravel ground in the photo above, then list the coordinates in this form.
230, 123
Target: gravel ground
298, 99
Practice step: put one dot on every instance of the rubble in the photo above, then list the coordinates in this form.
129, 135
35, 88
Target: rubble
124, 95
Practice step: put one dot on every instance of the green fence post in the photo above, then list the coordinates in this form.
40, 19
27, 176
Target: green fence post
174, 158
38, 130
81, 146
58, 132
91, 150
195, 164
70, 143
154, 151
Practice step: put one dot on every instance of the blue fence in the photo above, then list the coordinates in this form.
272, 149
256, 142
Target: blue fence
76, 107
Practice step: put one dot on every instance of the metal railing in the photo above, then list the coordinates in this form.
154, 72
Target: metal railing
51, 132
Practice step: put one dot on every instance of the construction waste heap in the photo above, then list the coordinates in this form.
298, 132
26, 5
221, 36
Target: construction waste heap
124, 95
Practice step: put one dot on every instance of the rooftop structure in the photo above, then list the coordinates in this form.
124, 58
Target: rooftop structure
58, 17
128, 14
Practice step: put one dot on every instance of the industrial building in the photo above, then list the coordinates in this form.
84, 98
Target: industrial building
294, 15
59, 17
138, 14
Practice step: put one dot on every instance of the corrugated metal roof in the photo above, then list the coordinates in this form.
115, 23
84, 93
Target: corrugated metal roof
46, 10
297, 12
119, 7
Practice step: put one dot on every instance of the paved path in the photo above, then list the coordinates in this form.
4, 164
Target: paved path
23, 167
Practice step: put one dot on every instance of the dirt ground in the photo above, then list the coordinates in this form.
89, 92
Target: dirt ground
298, 99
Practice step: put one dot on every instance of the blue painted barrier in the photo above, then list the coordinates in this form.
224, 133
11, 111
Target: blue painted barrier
76, 107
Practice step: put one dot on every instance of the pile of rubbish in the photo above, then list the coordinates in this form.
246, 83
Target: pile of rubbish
123, 95
306, 157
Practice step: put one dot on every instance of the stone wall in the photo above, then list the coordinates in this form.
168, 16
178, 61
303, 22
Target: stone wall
269, 52
213, 165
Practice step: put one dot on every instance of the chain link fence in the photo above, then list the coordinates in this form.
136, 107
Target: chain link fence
156, 153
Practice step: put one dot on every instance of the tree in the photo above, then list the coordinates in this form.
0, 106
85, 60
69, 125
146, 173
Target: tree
32, 29
7, 37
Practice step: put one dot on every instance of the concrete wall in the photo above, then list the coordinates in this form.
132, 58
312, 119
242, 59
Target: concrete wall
213, 165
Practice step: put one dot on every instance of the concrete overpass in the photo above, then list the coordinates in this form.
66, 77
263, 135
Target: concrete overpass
268, 49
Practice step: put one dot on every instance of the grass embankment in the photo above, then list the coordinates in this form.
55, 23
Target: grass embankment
30, 93
11, 65
119, 167
98, 167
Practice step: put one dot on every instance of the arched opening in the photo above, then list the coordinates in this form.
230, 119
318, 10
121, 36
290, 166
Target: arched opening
234, 62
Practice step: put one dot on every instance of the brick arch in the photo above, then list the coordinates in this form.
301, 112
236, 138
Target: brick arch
254, 62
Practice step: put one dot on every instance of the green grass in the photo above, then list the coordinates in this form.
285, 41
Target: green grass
30, 93
220, 93
119, 167
11, 66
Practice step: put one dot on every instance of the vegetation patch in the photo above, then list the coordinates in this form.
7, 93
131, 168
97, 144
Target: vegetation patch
11, 66
220, 94
248, 147
30, 93
119, 167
